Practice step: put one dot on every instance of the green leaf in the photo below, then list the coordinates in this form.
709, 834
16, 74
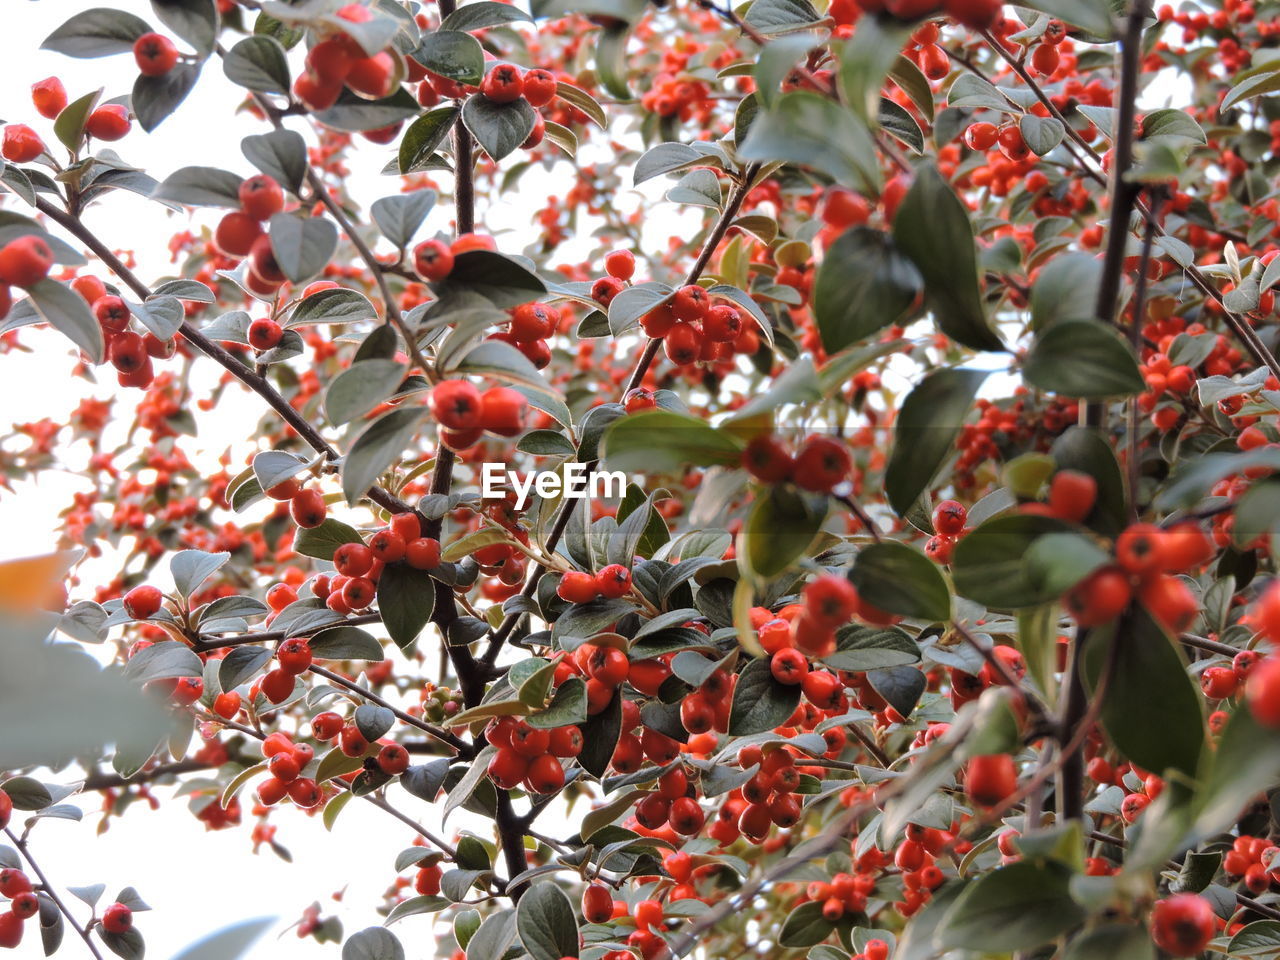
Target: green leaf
258, 63
661, 441
406, 599
424, 137
400, 216
547, 922
191, 568
353, 113
863, 285
303, 246
1255, 86
1056, 562
1175, 126
200, 187
1085, 359
781, 526
163, 661
195, 21
1041, 134
867, 57
664, 158
345, 643
1247, 761
65, 310
699, 187
973, 93
760, 702
809, 130
97, 32
373, 943
932, 228
1168, 731
360, 388
229, 943
1015, 907
900, 579
1066, 288
452, 54
154, 98
377, 448
611, 59
337, 306
321, 541
989, 563
500, 128
503, 281
805, 926
1258, 939
898, 122
484, 13
925, 434
781, 16
1092, 15
69, 126
27, 793
860, 649
240, 664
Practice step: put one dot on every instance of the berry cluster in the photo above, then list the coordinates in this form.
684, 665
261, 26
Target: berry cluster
821, 464
465, 413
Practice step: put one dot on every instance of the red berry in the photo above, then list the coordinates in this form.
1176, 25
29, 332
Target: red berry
456, 404
503, 84
21, 143
294, 655
143, 602
25, 905
613, 581
597, 903
990, 778
432, 259
261, 197
49, 97
540, 89
109, 122
155, 54
620, 264
502, 411
423, 553
117, 918
372, 76
264, 334
1262, 693
822, 463
307, 507
353, 559
111, 313
11, 928
1183, 925
949, 517
24, 262
393, 759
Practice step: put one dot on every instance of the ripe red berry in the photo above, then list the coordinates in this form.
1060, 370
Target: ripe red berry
117, 918
831, 600
503, 84
307, 507
423, 553
264, 334
227, 705
789, 666
822, 463
21, 143
981, 136
502, 411
1072, 495
143, 602
305, 792
388, 546
1262, 693
507, 768
49, 97
358, 593
326, 726
24, 262
353, 559
11, 927
261, 197
1182, 925
990, 778
12, 880
613, 581
545, 775
393, 759
456, 404
374, 76
294, 655
277, 685
620, 264
433, 260
284, 767
109, 122
533, 321
597, 903
540, 89
155, 54
25, 905
1099, 598
949, 517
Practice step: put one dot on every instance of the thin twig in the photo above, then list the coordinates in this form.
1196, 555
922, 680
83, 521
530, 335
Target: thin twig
24, 849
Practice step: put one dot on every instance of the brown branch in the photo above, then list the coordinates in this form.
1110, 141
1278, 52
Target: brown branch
440, 734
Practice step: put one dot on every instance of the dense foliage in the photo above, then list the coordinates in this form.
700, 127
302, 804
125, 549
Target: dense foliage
933, 612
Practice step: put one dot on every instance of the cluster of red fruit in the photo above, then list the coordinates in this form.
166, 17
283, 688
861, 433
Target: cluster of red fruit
576, 586
530, 756
338, 61
24, 903
239, 234
531, 325
130, 352
690, 324
464, 413
285, 762
360, 565
22, 144
822, 463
